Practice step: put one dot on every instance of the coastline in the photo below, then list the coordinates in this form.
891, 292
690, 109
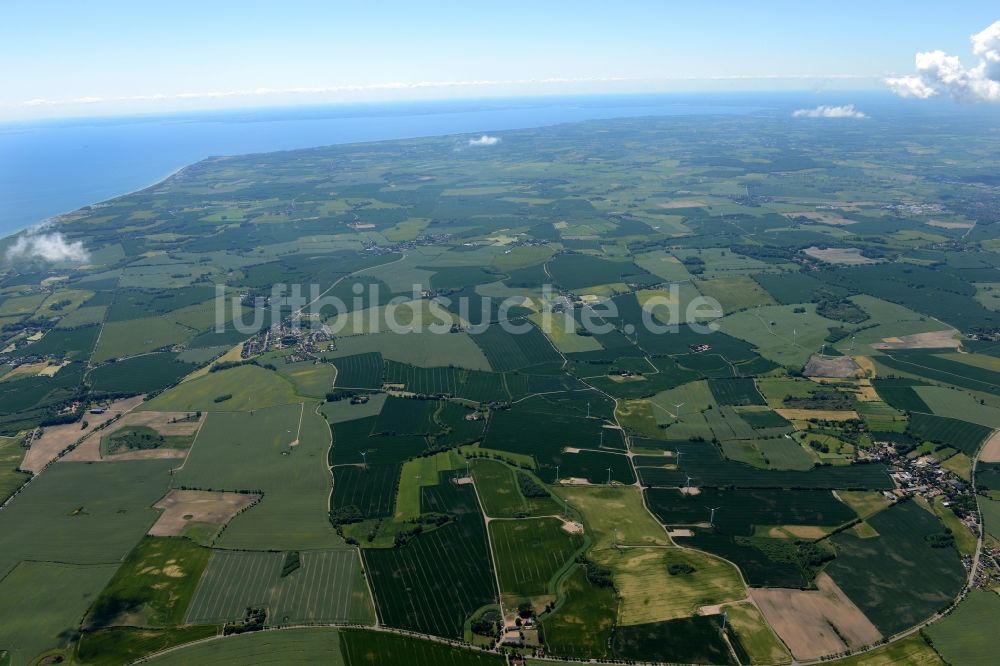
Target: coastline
91, 157
57, 218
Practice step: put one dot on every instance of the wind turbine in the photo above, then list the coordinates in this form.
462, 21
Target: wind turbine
687, 481
602, 437
364, 459
609, 476
725, 618
557, 473
677, 406
711, 519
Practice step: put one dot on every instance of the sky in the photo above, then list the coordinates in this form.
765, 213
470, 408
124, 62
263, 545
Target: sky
70, 58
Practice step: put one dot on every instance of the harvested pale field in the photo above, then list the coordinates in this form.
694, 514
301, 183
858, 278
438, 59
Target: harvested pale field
168, 424
822, 217
815, 623
839, 367
682, 203
52, 369
990, 452
826, 414
844, 256
26, 370
931, 340
941, 224
865, 392
56, 439
89, 450
866, 364
148, 454
795, 531
182, 507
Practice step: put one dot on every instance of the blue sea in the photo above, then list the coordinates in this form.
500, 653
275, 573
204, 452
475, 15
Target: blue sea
52, 167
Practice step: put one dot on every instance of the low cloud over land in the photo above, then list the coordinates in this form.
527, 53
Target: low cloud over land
37, 243
485, 140
846, 111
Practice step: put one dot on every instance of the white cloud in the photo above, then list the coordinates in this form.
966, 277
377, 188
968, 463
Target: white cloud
485, 140
51, 246
938, 72
846, 111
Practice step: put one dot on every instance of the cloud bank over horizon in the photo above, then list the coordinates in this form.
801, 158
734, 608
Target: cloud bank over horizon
940, 73
845, 111
36, 243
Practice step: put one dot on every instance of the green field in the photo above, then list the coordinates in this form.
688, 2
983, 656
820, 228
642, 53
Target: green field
94, 514
649, 593
154, 585
308, 378
342, 410
690, 640
966, 635
360, 371
250, 387
360, 647
581, 625
499, 491
41, 604
118, 645
614, 515
299, 647
757, 638
369, 489
434, 582
508, 351
235, 580
279, 451
962, 435
893, 593
735, 391
425, 350
913, 651
958, 405
141, 374
419, 473
831, 238
738, 511
469, 384
11, 455
779, 333
530, 552
738, 292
